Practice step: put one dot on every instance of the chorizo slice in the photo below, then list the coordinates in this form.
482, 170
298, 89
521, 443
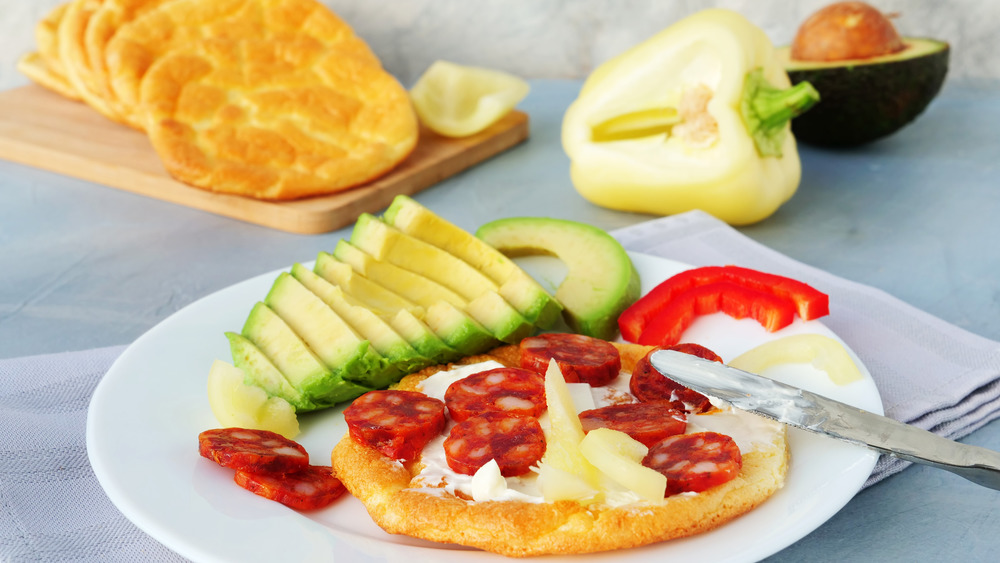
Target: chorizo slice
582, 359
257, 451
515, 441
648, 423
695, 462
397, 423
647, 384
307, 489
696, 350
509, 390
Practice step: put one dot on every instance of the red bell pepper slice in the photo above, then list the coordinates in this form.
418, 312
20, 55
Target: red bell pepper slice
809, 302
735, 300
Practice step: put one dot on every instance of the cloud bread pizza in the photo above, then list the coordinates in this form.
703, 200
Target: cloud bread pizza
475, 453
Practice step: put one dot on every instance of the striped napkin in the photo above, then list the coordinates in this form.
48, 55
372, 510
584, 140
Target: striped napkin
51, 506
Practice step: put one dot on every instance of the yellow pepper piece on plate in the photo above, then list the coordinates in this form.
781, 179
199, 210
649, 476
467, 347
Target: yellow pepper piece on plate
823, 352
696, 117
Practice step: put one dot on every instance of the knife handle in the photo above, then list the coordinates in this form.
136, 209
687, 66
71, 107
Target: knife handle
979, 465
891, 437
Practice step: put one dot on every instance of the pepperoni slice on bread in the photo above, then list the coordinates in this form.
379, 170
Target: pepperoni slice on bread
397, 423
695, 462
514, 441
647, 384
644, 422
582, 359
506, 390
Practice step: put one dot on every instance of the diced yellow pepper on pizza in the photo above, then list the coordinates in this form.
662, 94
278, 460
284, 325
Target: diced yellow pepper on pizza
564, 472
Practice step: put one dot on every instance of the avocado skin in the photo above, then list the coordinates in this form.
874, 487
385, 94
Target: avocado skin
861, 103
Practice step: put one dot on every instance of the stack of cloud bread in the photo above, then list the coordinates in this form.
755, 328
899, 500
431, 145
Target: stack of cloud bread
270, 99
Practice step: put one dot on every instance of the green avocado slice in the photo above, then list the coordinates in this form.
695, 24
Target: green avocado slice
484, 303
515, 285
422, 338
259, 371
400, 355
402, 314
333, 340
445, 310
317, 384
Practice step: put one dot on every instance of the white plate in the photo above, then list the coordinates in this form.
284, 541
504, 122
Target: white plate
146, 414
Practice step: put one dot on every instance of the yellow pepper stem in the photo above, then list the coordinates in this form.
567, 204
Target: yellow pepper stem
767, 109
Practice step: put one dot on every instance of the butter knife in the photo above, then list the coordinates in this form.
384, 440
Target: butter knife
815, 413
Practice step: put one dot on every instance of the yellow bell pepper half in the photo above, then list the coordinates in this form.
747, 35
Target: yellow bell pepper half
696, 117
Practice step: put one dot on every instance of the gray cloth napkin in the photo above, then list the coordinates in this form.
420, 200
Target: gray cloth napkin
51, 506
930, 374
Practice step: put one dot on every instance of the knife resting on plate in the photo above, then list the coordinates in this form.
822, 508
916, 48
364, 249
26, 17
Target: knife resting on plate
815, 413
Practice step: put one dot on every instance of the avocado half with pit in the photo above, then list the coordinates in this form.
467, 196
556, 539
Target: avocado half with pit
863, 100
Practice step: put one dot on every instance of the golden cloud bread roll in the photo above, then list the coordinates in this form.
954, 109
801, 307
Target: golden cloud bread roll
47, 38
275, 119
73, 54
44, 67
176, 24
102, 26
35, 67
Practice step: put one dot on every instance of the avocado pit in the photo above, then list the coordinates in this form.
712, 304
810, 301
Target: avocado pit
845, 31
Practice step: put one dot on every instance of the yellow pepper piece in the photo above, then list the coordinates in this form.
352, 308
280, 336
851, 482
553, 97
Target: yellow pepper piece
619, 457
459, 100
696, 117
564, 472
823, 352
237, 404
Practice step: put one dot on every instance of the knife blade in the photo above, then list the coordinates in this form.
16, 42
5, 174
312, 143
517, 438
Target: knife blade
806, 410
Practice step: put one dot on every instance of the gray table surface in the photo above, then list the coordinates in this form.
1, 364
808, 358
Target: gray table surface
916, 214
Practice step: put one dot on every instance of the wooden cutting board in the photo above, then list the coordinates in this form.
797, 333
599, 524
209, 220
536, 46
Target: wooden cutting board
42, 129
